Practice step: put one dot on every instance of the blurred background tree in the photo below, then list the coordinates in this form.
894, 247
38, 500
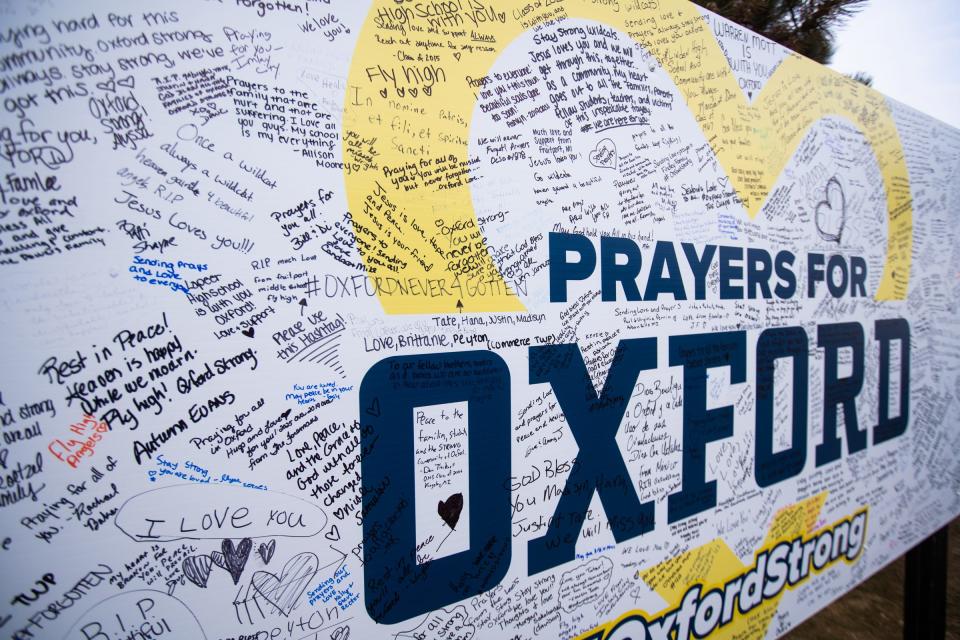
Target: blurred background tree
805, 26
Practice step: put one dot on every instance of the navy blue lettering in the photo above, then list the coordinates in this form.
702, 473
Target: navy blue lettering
594, 421
397, 588
664, 255
730, 272
783, 264
773, 344
887, 427
700, 266
562, 271
611, 273
759, 270
697, 353
840, 391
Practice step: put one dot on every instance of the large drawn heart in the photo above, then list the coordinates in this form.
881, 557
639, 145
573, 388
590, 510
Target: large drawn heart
831, 213
284, 590
233, 559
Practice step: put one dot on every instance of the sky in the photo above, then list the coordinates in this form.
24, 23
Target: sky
912, 50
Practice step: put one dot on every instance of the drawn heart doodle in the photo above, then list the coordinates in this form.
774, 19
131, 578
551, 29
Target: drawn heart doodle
341, 633
450, 509
248, 332
604, 155
233, 559
108, 85
413, 91
284, 591
197, 570
266, 550
126, 82
831, 215
333, 535
374, 408
383, 92
428, 90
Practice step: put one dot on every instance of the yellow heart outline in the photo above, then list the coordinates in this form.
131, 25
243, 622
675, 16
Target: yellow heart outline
714, 563
798, 94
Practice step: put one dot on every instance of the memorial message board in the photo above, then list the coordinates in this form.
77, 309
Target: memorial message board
459, 319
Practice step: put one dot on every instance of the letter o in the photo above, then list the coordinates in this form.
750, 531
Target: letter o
388, 483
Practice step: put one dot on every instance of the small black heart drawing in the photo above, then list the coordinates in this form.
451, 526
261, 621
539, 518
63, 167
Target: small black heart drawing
233, 559
457, 54
266, 550
333, 535
286, 414
413, 91
428, 90
831, 213
126, 82
109, 85
197, 570
450, 509
383, 92
374, 408
248, 332
284, 591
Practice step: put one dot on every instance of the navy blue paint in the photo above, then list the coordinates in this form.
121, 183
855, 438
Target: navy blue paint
840, 391
396, 587
887, 427
785, 342
562, 271
594, 421
697, 353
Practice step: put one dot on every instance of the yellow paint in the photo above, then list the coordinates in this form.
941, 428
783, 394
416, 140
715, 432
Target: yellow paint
714, 563
752, 143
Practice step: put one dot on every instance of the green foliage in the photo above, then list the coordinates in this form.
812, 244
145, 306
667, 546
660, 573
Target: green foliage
805, 26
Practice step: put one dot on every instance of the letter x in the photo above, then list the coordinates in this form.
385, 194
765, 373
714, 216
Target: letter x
600, 468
